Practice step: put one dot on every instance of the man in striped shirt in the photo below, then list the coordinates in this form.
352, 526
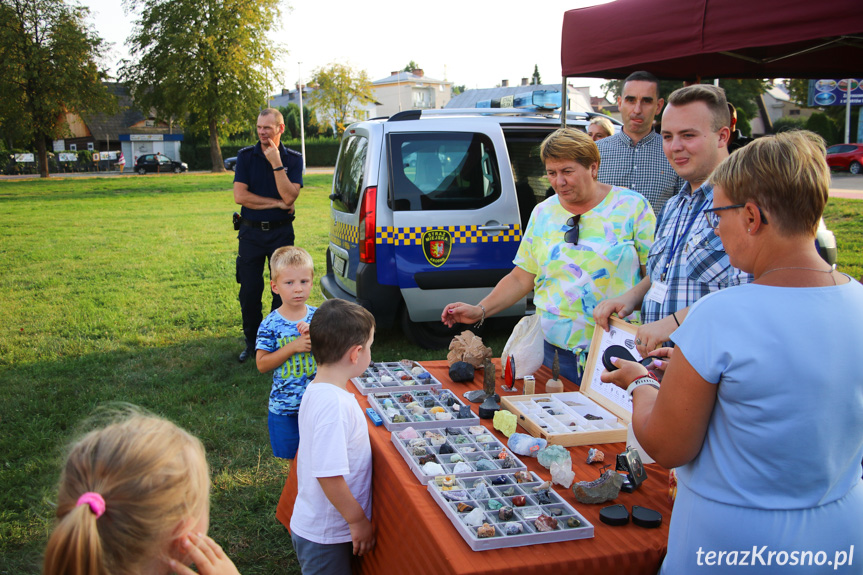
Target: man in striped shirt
633, 158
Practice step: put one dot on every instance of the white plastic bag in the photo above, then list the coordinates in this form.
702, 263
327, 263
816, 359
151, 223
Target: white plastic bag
526, 346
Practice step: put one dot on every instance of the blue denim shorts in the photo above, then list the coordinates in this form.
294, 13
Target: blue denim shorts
284, 434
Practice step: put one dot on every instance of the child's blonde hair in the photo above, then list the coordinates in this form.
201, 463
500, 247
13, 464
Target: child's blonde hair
290, 257
154, 481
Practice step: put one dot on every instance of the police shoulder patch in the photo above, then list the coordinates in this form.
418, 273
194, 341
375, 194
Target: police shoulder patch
437, 245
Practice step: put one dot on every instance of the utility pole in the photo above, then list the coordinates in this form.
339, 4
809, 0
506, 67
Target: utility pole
302, 124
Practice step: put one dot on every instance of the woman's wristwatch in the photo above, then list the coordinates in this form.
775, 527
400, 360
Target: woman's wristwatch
646, 380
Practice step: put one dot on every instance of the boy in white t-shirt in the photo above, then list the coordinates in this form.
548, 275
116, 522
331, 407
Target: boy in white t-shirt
331, 520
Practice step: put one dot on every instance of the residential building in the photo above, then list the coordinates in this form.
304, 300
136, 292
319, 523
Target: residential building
777, 104
410, 91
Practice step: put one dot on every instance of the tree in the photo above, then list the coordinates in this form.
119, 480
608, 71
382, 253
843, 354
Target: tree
456, 90
412, 66
536, 78
48, 67
210, 62
291, 113
339, 93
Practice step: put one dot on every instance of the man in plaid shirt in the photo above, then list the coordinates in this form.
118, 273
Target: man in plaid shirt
687, 260
633, 158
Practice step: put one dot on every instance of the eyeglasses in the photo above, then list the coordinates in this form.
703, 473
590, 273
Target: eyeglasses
713, 217
571, 235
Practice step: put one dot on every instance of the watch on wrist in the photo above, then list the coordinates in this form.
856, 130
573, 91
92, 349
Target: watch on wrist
646, 380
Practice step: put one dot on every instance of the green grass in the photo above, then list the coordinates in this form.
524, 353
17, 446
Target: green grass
122, 289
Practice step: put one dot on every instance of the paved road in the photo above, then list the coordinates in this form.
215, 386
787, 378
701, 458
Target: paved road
843, 185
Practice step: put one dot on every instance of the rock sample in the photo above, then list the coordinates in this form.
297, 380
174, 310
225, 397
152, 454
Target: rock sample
545, 523
505, 421
468, 347
461, 371
489, 407
606, 488
553, 453
554, 385
595, 456
562, 474
486, 530
523, 444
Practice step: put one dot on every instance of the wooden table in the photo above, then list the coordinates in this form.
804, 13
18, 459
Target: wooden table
414, 536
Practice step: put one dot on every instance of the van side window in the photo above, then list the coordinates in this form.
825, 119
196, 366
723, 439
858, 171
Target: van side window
442, 171
528, 170
348, 179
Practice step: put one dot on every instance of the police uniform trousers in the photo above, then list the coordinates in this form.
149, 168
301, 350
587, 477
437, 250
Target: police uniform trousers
256, 247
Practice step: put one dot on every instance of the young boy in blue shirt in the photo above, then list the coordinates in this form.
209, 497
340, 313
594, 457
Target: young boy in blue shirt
283, 346
331, 520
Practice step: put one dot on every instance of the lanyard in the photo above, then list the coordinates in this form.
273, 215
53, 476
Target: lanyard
675, 243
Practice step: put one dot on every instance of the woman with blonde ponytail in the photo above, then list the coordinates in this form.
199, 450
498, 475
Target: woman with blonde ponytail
134, 500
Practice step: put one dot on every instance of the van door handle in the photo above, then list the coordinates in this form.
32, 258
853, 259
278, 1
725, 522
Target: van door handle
493, 228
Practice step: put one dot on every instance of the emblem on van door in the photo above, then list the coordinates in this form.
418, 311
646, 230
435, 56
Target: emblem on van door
437, 245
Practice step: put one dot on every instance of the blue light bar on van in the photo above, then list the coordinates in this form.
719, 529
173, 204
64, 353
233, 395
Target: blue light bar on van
539, 99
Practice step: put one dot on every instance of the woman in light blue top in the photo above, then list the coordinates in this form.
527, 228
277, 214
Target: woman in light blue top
761, 404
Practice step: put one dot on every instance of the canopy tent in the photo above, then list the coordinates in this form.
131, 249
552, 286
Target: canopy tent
694, 39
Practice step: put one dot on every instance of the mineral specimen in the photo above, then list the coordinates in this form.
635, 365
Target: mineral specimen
498, 480
406, 398
485, 530
488, 376
428, 402
519, 500
464, 507
543, 498
512, 528
475, 396
437, 409
489, 407
461, 371
484, 465
508, 463
460, 439
505, 513
530, 512
399, 418
555, 511
522, 477
455, 458
435, 438
552, 453
416, 441
468, 347
445, 481
446, 448
455, 495
545, 523
562, 474
386, 378
595, 456
432, 468
494, 504
480, 491
509, 492
462, 467
606, 488
418, 451
417, 370
467, 449
452, 431
544, 486
475, 517
424, 376
464, 412
523, 444
573, 522
484, 438
444, 416
475, 429
417, 409
505, 421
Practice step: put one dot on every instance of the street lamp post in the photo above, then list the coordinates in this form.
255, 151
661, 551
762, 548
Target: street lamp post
302, 124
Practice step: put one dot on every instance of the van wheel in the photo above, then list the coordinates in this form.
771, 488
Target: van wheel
430, 334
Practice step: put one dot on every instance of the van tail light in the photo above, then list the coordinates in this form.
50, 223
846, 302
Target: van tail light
367, 225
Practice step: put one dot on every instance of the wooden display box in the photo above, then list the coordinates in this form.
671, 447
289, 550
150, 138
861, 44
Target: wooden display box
598, 413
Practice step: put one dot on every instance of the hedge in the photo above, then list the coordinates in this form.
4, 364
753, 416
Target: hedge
320, 152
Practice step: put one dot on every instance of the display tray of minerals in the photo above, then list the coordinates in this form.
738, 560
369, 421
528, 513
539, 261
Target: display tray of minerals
456, 451
404, 375
568, 418
508, 510
422, 409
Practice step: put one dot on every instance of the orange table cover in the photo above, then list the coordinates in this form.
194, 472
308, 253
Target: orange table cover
414, 536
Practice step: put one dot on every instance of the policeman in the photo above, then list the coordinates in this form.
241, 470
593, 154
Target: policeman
267, 182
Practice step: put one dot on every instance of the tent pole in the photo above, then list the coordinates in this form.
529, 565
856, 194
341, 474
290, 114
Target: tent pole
564, 104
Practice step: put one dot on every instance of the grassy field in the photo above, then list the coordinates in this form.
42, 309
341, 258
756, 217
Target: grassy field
122, 289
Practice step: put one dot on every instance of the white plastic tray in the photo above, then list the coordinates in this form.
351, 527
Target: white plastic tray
374, 379
393, 406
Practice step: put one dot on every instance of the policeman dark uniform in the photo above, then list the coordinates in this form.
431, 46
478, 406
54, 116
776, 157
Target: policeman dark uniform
261, 231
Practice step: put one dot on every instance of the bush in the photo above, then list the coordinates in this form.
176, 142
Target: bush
826, 127
788, 123
320, 152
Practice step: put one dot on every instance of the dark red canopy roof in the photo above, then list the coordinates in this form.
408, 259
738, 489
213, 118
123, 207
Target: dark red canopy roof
685, 39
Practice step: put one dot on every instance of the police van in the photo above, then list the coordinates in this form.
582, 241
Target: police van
428, 208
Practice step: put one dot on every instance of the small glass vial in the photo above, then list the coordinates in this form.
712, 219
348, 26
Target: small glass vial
529, 385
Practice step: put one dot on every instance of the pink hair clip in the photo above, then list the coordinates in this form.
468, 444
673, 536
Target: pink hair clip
94, 501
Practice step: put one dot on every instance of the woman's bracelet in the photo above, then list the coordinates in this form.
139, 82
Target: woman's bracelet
481, 321
674, 315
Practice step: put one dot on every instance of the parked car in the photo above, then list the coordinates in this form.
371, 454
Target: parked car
159, 163
846, 157
428, 208
231, 163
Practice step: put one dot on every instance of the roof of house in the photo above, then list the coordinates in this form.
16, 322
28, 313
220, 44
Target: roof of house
104, 127
408, 77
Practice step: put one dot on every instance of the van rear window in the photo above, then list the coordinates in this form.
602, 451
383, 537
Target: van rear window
442, 171
348, 179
